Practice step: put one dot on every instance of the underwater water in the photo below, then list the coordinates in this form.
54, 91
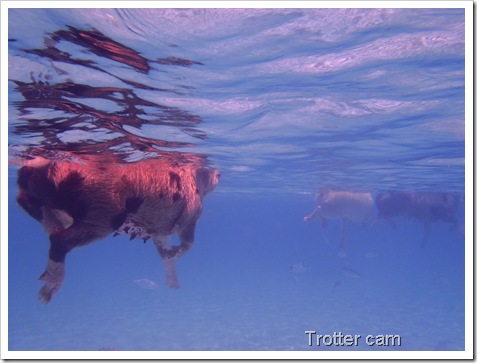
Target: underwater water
283, 103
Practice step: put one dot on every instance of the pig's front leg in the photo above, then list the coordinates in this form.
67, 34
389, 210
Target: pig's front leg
312, 214
164, 248
170, 254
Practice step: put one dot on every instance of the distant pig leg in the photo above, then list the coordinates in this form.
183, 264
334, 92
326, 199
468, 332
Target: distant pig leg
324, 222
312, 214
427, 234
344, 235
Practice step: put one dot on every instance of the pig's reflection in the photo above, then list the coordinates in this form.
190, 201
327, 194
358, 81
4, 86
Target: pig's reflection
425, 207
81, 202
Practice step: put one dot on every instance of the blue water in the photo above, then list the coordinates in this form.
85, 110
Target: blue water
283, 102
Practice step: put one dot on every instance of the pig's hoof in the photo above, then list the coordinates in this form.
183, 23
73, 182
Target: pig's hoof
173, 282
53, 278
47, 292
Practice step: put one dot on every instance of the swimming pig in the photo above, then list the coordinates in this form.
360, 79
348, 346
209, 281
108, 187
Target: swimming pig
425, 207
344, 205
81, 202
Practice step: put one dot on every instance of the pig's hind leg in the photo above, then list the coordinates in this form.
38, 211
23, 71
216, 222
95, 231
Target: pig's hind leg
61, 242
343, 236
